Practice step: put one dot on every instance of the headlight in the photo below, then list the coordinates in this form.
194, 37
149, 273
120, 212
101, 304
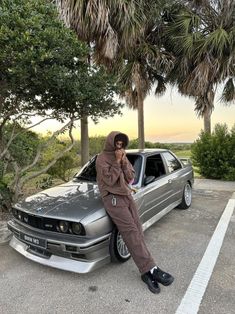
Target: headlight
76, 228
63, 226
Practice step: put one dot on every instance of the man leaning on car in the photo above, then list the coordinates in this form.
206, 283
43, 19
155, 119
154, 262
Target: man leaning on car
114, 174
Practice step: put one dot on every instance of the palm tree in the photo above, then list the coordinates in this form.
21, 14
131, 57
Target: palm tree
202, 36
100, 24
144, 67
120, 33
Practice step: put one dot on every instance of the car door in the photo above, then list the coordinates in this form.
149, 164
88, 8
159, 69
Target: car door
175, 177
157, 194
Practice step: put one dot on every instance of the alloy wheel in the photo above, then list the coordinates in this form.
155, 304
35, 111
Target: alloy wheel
121, 247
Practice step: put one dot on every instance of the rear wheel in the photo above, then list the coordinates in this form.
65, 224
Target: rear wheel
117, 247
187, 197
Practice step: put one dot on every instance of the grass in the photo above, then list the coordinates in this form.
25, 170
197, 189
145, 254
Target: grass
183, 153
197, 175
33, 186
187, 154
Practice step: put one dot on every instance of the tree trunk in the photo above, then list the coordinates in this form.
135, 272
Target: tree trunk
141, 140
16, 193
84, 127
207, 120
208, 111
84, 140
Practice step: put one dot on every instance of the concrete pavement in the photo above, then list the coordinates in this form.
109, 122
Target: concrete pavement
5, 234
214, 185
177, 242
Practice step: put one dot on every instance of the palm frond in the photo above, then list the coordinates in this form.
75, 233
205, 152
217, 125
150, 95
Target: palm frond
161, 85
216, 42
131, 98
101, 20
228, 95
202, 105
196, 82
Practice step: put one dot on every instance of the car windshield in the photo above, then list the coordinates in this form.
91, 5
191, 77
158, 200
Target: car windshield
88, 172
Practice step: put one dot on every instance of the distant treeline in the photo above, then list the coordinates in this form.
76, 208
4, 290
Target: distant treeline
97, 143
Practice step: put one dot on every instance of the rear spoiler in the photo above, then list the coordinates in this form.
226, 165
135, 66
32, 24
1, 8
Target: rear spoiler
186, 161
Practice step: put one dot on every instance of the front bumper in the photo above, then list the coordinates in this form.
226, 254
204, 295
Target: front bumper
67, 252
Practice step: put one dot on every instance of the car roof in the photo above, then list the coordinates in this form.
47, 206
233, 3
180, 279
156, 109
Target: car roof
146, 151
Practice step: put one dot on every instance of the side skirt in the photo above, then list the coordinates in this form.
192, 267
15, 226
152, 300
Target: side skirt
159, 215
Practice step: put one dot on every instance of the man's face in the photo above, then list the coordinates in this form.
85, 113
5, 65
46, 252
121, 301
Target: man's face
119, 144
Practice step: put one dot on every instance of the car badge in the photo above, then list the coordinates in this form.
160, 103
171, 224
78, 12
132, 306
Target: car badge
39, 209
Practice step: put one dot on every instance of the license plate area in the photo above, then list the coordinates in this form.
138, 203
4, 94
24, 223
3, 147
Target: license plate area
33, 240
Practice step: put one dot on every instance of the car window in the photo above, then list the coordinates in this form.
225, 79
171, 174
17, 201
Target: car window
172, 163
136, 162
88, 172
154, 166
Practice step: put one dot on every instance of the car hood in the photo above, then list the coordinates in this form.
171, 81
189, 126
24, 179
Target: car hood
71, 201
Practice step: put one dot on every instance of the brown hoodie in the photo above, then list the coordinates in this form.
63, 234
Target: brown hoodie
113, 177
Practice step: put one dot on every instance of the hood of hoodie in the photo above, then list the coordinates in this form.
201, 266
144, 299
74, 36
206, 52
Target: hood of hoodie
109, 145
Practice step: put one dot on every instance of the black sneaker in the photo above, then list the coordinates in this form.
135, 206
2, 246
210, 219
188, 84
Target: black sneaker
162, 277
150, 282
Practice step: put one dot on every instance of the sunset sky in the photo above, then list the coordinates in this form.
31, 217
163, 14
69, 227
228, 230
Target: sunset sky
169, 118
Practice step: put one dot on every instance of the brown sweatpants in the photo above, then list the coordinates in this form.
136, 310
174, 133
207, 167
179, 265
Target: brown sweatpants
126, 218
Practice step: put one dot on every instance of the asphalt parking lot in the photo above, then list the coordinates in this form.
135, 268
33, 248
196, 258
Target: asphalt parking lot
177, 242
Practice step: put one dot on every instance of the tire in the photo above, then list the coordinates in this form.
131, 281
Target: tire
187, 197
117, 247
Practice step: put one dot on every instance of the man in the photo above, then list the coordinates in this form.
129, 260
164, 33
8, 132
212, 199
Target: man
114, 174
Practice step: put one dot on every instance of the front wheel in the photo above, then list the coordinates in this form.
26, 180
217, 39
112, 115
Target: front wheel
117, 247
187, 197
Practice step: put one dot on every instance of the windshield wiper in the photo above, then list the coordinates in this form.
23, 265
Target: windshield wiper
81, 177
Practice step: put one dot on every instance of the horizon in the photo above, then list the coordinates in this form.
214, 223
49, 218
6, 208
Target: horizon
168, 119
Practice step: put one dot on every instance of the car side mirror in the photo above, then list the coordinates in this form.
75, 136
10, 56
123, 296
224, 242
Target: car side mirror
148, 179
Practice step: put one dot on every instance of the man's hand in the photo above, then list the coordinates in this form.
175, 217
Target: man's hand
119, 155
123, 155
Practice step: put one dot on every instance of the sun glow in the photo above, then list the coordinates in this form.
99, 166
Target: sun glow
170, 118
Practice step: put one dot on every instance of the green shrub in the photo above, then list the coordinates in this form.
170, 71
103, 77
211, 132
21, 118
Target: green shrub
23, 148
5, 193
214, 154
133, 144
63, 168
96, 144
5, 196
44, 183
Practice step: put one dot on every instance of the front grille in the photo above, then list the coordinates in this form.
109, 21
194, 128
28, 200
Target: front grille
36, 221
42, 223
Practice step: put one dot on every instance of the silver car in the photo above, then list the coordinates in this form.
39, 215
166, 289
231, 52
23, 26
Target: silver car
67, 227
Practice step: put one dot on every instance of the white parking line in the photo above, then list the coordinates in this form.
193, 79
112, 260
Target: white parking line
194, 294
